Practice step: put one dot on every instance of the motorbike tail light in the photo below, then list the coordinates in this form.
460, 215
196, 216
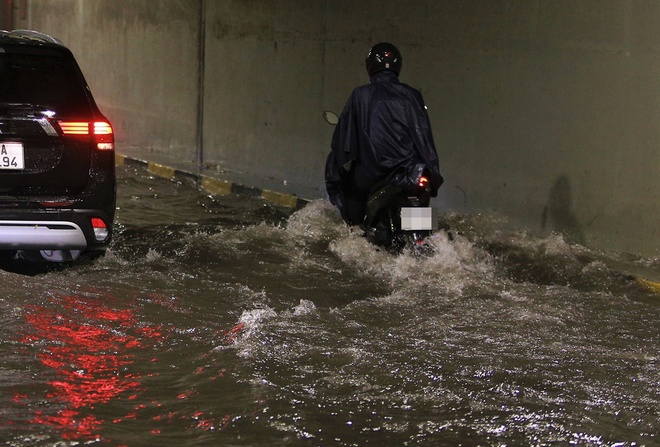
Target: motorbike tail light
100, 229
423, 182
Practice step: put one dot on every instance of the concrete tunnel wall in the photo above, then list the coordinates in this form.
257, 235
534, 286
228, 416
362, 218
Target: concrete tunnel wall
544, 111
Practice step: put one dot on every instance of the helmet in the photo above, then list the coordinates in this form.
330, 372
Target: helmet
383, 56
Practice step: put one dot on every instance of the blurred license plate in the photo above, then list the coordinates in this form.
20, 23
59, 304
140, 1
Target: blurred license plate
419, 218
11, 156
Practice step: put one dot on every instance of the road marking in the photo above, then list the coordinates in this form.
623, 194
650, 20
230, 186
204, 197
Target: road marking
651, 285
216, 186
161, 170
279, 198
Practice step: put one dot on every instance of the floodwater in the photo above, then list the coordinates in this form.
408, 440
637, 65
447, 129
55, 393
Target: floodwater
229, 322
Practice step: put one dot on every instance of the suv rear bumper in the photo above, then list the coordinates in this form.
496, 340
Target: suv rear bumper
41, 235
69, 229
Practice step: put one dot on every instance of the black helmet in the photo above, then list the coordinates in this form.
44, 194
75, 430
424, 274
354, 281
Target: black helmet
383, 56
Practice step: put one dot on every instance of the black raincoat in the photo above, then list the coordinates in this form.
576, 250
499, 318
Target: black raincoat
383, 134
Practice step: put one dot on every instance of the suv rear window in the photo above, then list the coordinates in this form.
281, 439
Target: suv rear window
48, 80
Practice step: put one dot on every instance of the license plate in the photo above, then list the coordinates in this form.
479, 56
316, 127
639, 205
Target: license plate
419, 218
11, 156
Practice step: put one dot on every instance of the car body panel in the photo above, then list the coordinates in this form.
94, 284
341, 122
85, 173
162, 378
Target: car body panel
57, 164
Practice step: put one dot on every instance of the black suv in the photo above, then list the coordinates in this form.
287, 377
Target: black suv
57, 156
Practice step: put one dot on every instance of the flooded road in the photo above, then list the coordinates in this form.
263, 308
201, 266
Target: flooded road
227, 321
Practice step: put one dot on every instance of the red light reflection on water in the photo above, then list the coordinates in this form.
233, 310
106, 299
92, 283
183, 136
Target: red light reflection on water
89, 347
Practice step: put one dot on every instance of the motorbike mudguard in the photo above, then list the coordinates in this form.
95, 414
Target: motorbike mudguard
378, 201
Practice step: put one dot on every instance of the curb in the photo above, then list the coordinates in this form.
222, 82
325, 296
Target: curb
212, 185
651, 285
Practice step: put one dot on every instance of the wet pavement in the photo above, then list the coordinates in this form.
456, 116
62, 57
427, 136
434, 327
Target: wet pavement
235, 320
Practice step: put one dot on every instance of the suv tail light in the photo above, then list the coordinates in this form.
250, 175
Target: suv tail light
100, 229
101, 131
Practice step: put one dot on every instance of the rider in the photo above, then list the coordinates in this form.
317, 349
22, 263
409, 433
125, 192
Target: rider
383, 135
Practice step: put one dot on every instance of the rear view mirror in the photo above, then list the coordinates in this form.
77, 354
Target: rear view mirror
330, 117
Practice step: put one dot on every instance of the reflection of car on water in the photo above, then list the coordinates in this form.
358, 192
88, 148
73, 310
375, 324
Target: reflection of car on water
57, 159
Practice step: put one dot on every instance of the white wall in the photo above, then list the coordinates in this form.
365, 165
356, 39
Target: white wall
543, 110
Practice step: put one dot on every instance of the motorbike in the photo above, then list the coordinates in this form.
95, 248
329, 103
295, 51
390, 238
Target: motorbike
398, 213
400, 218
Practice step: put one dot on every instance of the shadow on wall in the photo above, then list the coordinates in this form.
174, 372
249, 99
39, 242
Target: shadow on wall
557, 214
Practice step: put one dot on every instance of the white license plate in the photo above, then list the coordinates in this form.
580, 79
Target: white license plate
11, 156
419, 218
